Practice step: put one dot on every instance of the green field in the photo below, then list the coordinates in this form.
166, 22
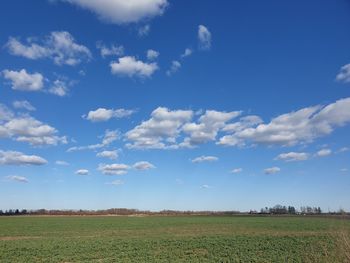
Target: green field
174, 239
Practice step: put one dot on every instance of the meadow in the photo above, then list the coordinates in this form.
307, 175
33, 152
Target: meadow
174, 239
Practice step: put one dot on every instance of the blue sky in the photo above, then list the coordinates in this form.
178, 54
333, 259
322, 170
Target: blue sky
161, 104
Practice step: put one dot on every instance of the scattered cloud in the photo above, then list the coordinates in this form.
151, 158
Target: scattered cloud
131, 67
59, 88
344, 170
160, 131
102, 114
143, 165
18, 158
144, 30
112, 50
204, 158
293, 156
113, 155
82, 172
152, 54
107, 139
23, 104
121, 11
63, 163
113, 169
60, 46
237, 170
343, 149
272, 170
188, 52
116, 182
324, 152
205, 186
17, 178
344, 74
175, 66
204, 38
24, 81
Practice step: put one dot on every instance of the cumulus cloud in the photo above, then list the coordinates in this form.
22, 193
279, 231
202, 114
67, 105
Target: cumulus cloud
152, 54
324, 152
18, 158
131, 67
204, 38
24, 81
82, 172
113, 169
237, 170
63, 163
108, 154
60, 46
102, 114
143, 165
272, 170
293, 156
59, 88
344, 74
210, 123
23, 104
203, 158
112, 50
160, 131
175, 66
302, 126
144, 30
24, 128
121, 11
17, 178
108, 138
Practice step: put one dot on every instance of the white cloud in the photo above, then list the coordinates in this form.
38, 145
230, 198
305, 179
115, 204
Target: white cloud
82, 172
112, 50
175, 66
203, 158
205, 186
324, 152
208, 127
187, 52
59, 88
116, 182
114, 169
144, 30
63, 163
143, 165
272, 170
17, 178
108, 154
343, 149
102, 114
25, 128
344, 170
18, 158
344, 74
160, 131
152, 54
204, 38
237, 170
121, 11
107, 139
23, 104
60, 46
21, 80
302, 126
293, 156
130, 67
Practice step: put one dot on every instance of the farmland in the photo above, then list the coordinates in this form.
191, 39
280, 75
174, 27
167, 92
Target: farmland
173, 239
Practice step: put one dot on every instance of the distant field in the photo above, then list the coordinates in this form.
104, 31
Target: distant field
174, 239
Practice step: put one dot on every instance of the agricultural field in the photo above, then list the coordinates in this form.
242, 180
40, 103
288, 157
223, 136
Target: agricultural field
173, 239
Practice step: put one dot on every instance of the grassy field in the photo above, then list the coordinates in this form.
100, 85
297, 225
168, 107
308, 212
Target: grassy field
174, 239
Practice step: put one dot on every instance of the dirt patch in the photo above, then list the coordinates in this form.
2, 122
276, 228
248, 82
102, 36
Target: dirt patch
17, 238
